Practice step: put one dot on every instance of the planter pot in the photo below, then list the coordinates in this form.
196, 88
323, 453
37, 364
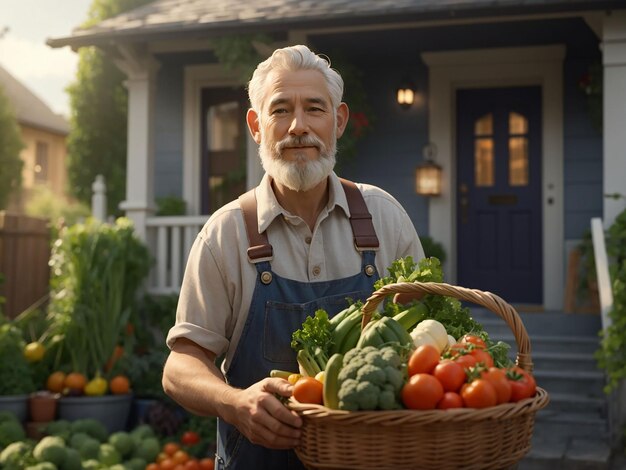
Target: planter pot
43, 406
16, 404
110, 410
138, 410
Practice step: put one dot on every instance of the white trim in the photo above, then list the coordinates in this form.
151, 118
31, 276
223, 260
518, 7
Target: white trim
198, 77
501, 67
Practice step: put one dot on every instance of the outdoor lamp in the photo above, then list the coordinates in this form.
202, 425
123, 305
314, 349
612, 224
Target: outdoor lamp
428, 174
405, 94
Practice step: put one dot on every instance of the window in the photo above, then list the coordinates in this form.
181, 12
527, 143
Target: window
483, 151
41, 162
518, 150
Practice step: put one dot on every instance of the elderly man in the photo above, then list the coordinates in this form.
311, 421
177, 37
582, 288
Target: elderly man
302, 240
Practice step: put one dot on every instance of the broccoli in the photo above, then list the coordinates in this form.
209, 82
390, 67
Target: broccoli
89, 449
72, 460
372, 379
123, 443
11, 431
51, 449
59, 428
90, 426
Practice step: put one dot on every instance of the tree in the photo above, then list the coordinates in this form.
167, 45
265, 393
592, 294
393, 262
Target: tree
10, 146
98, 100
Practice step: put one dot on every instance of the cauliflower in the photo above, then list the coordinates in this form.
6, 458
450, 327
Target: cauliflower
51, 449
371, 379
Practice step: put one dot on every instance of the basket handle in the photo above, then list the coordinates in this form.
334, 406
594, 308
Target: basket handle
486, 299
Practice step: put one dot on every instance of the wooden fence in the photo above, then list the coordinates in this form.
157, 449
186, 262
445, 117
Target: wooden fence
24, 255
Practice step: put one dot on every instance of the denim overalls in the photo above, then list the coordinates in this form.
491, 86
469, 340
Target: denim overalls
278, 308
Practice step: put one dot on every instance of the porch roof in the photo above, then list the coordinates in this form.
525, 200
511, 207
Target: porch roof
192, 18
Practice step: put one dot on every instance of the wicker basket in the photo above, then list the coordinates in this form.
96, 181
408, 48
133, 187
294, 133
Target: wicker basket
462, 438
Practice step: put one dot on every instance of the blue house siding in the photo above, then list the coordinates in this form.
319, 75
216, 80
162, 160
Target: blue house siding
387, 157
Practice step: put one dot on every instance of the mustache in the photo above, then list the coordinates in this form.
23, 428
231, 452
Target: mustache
299, 141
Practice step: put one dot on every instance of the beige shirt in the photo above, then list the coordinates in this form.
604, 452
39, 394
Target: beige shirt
219, 279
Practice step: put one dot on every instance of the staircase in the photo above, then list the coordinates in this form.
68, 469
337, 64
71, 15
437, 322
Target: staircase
572, 432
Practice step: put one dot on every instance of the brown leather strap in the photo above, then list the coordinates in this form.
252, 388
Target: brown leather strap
259, 245
360, 218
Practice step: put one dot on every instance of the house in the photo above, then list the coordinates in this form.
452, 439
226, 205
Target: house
500, 106
43, 133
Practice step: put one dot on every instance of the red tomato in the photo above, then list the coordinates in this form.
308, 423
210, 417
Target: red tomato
465, 360
523, 384
457, 349
479, 394
192, 464
482, 356
423, 359
450, 400
422, 392
451, 375
190, 438
497, 378
473, 339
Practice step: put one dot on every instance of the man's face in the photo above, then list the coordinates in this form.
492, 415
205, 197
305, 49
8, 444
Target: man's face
298, 129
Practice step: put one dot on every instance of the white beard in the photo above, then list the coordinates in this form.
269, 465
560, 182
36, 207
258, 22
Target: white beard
301, 174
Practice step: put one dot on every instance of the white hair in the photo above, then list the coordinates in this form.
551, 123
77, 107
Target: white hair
293, 58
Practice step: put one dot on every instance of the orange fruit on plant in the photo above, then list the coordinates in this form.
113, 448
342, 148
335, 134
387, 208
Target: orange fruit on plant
207, 464
170, 448
75, 381
180, 456
192, 464
161, 457
119, 385
167, 464
56, 381
153, 466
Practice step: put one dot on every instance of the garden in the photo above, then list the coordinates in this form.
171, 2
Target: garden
80, 376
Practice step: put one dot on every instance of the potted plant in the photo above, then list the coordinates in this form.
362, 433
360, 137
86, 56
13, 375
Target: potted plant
96, 272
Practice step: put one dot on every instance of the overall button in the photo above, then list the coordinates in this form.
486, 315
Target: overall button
316, 271
266, 277
370, 270
308, 240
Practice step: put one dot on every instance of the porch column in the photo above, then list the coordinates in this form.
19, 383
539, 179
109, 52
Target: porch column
140, 68
614, 114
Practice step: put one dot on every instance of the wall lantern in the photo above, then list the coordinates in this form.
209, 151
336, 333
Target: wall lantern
428, 173
405, 94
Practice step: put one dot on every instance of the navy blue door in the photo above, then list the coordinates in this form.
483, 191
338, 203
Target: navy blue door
499, 230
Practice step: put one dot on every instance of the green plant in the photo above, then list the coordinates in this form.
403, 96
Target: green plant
15, 372
612, 353
96, 272
433, 248
46, 204
170, 205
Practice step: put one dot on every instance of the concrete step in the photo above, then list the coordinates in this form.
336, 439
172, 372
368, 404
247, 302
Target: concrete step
563, 361
550, 452
570, 424
555, 344
571, 402
583, 383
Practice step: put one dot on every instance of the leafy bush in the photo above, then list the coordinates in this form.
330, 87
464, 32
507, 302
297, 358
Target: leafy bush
15, 372
45, 203
433, 249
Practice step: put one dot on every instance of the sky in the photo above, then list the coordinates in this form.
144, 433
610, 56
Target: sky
23, 50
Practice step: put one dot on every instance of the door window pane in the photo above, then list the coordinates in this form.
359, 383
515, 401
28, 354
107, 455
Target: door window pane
226, 164
483, 151
518, 150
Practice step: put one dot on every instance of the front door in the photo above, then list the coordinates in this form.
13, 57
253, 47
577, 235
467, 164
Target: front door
223, 169
499, 229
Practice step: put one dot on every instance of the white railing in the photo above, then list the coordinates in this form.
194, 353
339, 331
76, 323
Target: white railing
170, 239
602, 271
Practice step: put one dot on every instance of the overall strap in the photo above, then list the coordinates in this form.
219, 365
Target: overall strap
259, 245
360, 218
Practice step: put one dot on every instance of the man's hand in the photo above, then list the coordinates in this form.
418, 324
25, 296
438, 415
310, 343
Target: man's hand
263, 419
